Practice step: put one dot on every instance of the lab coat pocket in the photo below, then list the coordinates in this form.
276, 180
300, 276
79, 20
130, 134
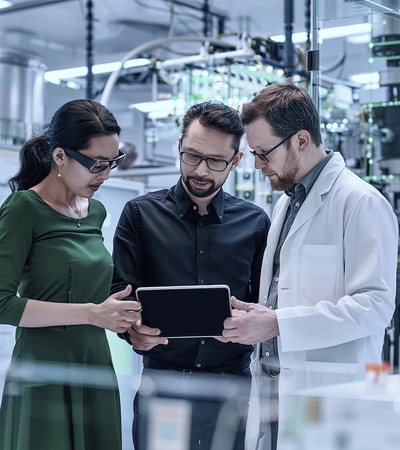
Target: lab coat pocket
318, 272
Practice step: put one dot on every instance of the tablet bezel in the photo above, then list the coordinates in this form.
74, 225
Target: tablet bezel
178, 309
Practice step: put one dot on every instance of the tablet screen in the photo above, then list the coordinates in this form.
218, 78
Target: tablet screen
185, 311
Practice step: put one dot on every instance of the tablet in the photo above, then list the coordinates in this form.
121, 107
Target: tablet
185, 311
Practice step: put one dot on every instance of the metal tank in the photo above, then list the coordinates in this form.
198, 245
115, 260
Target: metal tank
21, 96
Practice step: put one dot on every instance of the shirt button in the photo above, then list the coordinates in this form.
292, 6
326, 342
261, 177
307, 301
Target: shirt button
297, 204
266, 353
201, 281
195, 207
181, 215
201, 224
276, 279
198, 366
203, 342
201, 252
270, 307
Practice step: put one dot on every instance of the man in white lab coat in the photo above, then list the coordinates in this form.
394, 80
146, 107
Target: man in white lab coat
328, 280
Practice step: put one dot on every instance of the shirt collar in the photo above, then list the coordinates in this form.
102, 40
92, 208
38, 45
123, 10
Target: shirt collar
307, 182
184, 202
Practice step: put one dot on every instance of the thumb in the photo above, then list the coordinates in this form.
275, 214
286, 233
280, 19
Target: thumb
124, 293
239, 304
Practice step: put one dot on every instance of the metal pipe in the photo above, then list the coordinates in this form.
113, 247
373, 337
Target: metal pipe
288, 56
315, 73
30, 5
89, 51
206, 18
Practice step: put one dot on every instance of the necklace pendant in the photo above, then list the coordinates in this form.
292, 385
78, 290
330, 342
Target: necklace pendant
78, 223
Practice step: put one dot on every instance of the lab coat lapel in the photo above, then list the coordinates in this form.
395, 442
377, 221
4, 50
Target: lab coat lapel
272, 242
318, 192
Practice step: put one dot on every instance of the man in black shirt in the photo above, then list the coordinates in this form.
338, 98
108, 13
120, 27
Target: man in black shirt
193, 234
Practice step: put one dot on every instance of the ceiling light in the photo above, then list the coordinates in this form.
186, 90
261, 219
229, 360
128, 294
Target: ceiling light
57, 76
5, 4
165, 106
359, 38
328, 33
344, 31
365, 78
297, 38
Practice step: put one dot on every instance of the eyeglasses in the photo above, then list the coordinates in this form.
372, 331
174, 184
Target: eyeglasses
95, 165
215, 164
263, 156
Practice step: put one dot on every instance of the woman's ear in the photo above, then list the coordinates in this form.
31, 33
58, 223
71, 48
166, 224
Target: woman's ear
58, 156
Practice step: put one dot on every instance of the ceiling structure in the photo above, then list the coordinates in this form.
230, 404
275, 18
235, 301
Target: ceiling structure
69, 33
57, 30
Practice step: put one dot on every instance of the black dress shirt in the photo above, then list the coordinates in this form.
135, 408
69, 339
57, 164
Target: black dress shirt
162, 240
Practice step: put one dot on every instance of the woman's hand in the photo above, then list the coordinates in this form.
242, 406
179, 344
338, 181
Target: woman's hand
115, 314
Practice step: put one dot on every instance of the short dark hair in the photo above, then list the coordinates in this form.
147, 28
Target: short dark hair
72, 126
218, 116
287, 107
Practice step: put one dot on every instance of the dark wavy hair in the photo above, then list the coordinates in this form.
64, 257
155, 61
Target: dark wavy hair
216, 115
72, 126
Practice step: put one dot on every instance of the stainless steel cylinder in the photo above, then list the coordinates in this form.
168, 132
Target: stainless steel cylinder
22, 96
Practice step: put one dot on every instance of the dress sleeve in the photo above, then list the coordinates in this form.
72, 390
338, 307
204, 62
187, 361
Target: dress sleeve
16, 230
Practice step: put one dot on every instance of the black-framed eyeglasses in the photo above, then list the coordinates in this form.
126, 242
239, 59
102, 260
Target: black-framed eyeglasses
215, 164
95, 165
263, 156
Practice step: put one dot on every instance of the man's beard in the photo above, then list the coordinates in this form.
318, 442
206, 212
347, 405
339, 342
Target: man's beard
288, 178
200, 193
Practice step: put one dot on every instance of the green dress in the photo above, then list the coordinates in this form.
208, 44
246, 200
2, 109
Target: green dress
61, 390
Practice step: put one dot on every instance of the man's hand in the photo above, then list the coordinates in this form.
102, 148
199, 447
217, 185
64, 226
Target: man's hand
250, 323
145, 338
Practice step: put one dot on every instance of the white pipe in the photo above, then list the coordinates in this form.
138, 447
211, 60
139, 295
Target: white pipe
247, 52
112, 79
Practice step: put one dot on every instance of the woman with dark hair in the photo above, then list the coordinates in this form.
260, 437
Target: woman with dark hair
55, 273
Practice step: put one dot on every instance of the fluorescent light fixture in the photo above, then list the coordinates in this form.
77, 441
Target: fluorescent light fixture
359, 38
365, 78
58, 76
161, 108
328, 33
5, 4
346, 30
297, 38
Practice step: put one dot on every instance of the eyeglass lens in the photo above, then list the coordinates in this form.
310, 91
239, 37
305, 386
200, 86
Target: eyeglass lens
218, 165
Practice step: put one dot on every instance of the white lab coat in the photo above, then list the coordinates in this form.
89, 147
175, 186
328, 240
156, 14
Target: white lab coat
336, 289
